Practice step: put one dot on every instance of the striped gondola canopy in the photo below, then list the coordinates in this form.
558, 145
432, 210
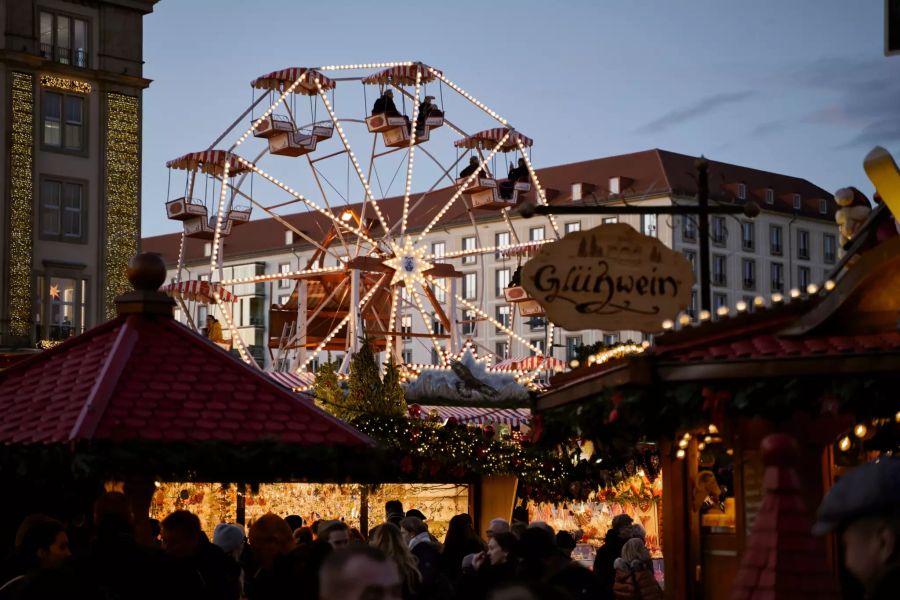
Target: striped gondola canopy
198, 291
403, 75
489, 138
211, 162
284, 78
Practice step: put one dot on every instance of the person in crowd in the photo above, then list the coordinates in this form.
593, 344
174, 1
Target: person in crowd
499, 549
314, 528
359, 573
393, 512
184, 540
214, 329
472, 167
542, 562
415, 534
356, 536
496, 526
518, 528
304, 563
42, 550
295, 522
565, 543
388, 538
863, 508
335, 533
460, 541
542, 525
494, 567
615, 538
415, 512
303, 535
523, 591
634, 573
155, 531
230, 539
270, 540
520, 515
114, 565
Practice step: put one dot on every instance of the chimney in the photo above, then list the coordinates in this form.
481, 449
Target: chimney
147, 273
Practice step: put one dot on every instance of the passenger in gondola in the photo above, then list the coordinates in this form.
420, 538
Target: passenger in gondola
214, 329
473, 166
516, 173
385, 104
427, 108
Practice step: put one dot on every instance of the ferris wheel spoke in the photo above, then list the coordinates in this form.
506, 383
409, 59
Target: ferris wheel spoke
268, 111
395, 300
235, 334
468, 96
459, 192
302, 274
359, 173
424, 195
412, 151
424, 316
490, 250
542, 199
315, 173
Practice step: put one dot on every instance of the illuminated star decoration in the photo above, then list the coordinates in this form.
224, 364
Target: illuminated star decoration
54, 292
408, 262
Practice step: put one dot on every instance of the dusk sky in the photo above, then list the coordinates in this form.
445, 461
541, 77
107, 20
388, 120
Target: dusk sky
800, 87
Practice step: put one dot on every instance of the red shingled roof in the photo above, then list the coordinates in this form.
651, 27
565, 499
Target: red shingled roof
769, 345
148, 378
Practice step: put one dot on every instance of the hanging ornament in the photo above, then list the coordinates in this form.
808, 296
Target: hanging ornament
415, 411
488, 431
613, 416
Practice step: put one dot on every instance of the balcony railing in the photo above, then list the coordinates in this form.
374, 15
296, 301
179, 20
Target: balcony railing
67, 56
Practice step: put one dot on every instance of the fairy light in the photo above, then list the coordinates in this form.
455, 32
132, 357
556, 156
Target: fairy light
620, 351
412, 151
830, 285
542, 199
180, 258
280, 275
327, 213
235, 335
65, 84
21, 209
705, 315
860, 430
359, 172
214, 263
680, 454
682, 443
722, 311
844, 444
459, 191
271, 109
713, 429
395, 300
468, 96
385, 65
741, 306
684, 319
811, 289
668, 324
759, 302
795, 293
491, 249
777, 298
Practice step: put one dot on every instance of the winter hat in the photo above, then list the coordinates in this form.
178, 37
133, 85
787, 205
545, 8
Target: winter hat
228, 537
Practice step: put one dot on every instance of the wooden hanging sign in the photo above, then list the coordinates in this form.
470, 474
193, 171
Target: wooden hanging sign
611, 278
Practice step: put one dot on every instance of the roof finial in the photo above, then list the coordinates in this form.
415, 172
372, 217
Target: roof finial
146, 272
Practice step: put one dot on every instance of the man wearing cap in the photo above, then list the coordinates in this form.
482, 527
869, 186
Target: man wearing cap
863, 508
427, 108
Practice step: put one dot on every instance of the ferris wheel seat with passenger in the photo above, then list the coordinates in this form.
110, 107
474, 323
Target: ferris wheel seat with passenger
284, 135
394, 126
486, 191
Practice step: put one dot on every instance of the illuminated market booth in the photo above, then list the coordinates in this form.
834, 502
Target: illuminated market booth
821, 364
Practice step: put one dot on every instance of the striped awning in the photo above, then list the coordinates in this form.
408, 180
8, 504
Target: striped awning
284, 78
292, 380
198, 291
209, 161
479, 415
402, 75
487, 139
527, 249
529, 363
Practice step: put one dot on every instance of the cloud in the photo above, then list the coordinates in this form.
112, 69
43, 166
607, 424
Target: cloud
768, 127
698, 109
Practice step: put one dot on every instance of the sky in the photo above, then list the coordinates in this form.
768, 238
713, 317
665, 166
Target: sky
799, 87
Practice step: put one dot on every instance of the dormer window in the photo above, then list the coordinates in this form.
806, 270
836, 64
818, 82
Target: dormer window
576, 192
823, 206
288, 237
797, 202
741, 191
770, 196
615, 185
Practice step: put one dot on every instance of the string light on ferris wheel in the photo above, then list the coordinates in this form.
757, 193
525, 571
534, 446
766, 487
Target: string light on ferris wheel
412, 151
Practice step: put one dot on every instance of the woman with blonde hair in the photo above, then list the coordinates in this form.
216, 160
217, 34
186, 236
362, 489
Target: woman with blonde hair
634, 573
388, 538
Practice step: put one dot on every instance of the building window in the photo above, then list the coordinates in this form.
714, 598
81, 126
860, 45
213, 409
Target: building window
610, 220
823, 206
501, 350
62, 211
536, 323
648, 225
692, 308
748, 236
741, 191
501, 240
207, 248
407, 356
502, 315
829, 243
63, 121
468, 244
440, 290
61, 312
437, 326
803, 277
719, 231
435, 356
284, 268
64, 39
406, 326
470, 286
535, 234
777, 272
574, 226
572, 344
798, 202
770, 196
803, 244
775, 240
470, 323
610, 339
539, 344
720, 269
719, 300
688, 228
288, 237
615, 185
692, 258
748, 269
282, 300
501, 281
438, 249
576, 192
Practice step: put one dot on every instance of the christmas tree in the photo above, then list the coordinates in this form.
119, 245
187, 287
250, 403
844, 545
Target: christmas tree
366, 391
393, 395
329, 395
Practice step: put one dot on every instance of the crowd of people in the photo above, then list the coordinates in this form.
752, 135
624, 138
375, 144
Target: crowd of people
328, 560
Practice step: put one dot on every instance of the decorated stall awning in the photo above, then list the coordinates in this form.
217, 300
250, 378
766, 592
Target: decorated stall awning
211, 162
479, 415
487, 139
529, 363
527, 249
283, 79
402, 75
198, 291
293, 380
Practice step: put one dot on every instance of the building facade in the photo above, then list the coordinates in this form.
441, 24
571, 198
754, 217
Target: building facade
792, 243
70, 124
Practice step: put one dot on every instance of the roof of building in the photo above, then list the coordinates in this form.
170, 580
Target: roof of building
644, 174
143, 377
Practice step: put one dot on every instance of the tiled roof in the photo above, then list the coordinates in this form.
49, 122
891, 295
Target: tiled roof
650, 172
146, 378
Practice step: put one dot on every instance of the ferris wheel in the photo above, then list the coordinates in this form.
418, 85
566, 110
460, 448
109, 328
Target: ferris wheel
330, 154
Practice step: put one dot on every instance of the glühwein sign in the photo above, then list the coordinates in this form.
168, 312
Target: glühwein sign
610, 277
